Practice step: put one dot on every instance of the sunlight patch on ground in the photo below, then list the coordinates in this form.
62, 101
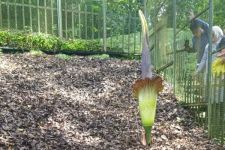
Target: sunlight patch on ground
75, 95
70, 132
6, 65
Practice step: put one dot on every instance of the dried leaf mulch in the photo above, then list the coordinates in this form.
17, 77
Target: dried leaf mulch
84, 103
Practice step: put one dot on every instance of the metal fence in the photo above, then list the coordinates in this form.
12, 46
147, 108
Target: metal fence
69, 18
73, 19
203, 94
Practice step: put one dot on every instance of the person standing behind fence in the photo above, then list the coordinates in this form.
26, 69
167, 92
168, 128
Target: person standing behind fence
200, 31
217, 36
218, 66
217, 42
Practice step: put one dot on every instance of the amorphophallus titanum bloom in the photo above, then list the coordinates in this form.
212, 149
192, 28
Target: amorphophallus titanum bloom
147, 88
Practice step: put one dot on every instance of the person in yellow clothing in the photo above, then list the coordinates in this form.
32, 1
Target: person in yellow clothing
218, 42
218, 66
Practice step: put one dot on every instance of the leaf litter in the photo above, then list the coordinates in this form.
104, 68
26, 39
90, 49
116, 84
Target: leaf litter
85, 103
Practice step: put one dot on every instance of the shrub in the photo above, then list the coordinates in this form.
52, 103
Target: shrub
80, 45
45, 42
18, 40
63, 56
4, 37
73, 45
25, 40
36, 53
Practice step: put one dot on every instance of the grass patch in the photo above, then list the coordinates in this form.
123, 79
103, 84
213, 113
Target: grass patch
36, 53
103, 56
63, 56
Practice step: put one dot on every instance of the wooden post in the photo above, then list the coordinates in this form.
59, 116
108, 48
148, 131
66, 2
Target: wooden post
104, 5
59, 14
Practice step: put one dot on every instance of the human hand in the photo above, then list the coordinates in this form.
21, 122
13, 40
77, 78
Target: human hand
223, 60
221, 53
194, 75
191, 15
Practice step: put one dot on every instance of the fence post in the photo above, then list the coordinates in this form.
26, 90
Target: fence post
66, 21
0, 13
52, 13
46, 18
85, 19
145, 8
153, 53
79, 20
8, 15
59, 16
208, 83
23, 13
38, 15
174, 45
104, 5
73, 34
15, 11
31, 17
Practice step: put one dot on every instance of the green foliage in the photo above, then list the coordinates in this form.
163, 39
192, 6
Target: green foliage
103, 56
4, 36
47, 43
19, 40
80, 45
63, 56
44, 42
157, 9
36, 53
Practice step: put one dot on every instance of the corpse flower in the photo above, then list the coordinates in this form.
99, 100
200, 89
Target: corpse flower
148, 87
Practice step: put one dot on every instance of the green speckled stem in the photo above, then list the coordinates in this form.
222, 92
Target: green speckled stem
148, 130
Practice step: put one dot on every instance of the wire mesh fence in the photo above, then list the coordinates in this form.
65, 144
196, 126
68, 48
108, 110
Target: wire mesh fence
71, 19
178, 64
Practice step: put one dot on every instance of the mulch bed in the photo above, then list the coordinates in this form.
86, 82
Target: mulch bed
84, 103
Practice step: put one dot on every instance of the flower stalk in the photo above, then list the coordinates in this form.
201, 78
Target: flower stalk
147, 89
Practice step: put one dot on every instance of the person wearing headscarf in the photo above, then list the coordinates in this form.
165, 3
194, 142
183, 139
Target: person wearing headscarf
217, 42
200, 31
218, 65
217, 36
